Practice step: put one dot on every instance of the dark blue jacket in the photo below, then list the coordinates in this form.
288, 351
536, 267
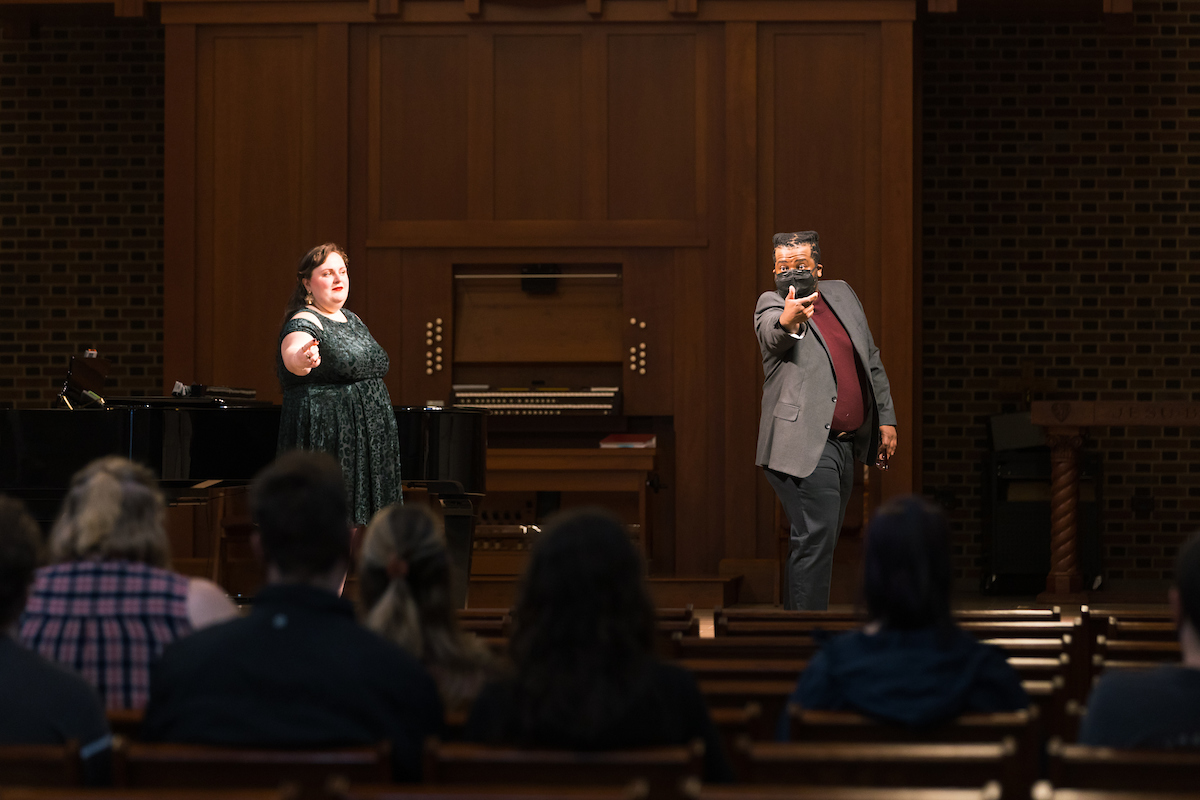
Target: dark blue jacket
914, 678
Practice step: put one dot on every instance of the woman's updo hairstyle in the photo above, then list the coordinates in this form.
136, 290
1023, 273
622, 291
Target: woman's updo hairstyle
404, 577
405, 596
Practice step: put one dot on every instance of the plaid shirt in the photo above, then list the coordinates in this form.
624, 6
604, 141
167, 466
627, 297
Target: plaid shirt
107, 620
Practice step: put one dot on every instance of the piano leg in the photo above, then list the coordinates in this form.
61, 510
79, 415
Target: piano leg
459, 520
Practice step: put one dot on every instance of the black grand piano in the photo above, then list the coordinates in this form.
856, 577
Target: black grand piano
195, 444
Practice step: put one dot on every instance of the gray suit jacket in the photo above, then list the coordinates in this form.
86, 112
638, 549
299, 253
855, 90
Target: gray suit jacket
800, 389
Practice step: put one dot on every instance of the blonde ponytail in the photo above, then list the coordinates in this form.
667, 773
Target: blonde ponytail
395, 616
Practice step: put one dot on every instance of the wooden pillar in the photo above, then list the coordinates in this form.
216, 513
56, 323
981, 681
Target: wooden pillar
1065, 442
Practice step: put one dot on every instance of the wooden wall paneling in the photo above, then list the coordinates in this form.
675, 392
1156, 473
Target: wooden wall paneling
498, 322
767, 505
818, 112
357, 140
539, 98
481, 107
257, 193
655, 84
742, 387
333, 135
915, 434
206, 192
648, 332
374, 180
423, 126
179, 234
594, 131
426, 305
698, 520
897, 270
384, 309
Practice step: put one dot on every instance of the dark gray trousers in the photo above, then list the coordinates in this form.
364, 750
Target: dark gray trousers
815, 506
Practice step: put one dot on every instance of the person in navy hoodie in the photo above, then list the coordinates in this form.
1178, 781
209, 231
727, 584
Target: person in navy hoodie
911, 664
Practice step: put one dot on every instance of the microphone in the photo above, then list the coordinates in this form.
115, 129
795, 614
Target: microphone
88, 393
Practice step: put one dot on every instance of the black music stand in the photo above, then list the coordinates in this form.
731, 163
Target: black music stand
84, 383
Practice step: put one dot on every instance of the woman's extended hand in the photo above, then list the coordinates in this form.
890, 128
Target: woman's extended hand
310, 354
300, 353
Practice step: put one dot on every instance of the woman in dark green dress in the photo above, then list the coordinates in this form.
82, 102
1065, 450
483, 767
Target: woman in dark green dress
331, 371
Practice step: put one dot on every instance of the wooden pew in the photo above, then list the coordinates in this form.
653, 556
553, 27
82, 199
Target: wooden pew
839, 617
745, 669
770, 696
169, 765
782, 614
662, 768
1132, 654
1082, 767
1051, 701
1023, 727
1045, 790
983, 628
990, 791
1141, 630
125, 722
782, 627
636, 790
40, 764
959, 765
1096, 621
795, 648
76, 793
734, 722
486, 622
496, 623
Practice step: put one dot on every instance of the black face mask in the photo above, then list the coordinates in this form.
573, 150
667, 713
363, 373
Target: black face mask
804, 280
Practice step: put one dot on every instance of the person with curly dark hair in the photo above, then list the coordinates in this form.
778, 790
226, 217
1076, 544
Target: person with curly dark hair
585, 674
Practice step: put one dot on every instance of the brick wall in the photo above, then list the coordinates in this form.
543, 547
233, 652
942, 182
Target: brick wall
1060, 234
81, 206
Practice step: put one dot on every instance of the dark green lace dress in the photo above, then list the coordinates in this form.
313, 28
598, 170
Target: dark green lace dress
343, 408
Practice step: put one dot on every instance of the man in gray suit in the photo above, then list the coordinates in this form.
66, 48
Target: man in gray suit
826, 403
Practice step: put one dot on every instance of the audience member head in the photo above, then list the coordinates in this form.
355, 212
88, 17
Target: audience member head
405, 593
906, 565
299, 505
112, 511
404, 579
584, 624
20, 543
1185, 596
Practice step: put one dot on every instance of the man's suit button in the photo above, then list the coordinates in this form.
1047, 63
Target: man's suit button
835, 398
827, 426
